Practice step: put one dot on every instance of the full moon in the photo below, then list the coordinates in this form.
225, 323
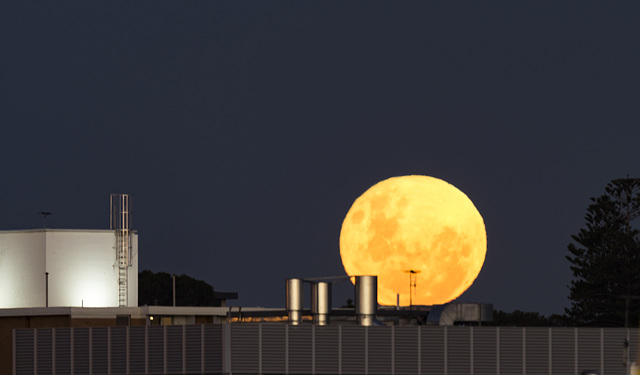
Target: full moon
419, 235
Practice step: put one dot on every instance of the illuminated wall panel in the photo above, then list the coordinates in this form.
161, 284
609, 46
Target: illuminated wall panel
81, 265
22, 268
133, 272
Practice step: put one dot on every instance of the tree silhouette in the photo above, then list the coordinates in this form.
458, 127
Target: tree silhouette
605, 260
156, 289
519, 318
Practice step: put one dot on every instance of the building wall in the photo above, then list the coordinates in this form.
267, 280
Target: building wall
82, 269
8, 324
81, 265
22, 268
133, 273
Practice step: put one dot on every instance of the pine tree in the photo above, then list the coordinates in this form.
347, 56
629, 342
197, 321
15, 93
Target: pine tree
605, 260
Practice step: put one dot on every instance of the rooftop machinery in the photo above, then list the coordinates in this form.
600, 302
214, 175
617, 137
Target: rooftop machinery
121, 223
366, 289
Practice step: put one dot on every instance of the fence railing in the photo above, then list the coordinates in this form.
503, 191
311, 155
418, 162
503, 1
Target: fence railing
335, 349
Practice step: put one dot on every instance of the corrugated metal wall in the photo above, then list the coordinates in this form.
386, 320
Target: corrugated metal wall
192, 349
334, 349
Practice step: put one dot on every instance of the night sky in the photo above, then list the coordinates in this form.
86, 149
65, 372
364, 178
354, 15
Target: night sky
244, 130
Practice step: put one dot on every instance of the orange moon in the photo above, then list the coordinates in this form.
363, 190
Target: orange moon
414, 223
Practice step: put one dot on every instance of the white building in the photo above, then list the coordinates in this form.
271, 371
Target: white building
77, 267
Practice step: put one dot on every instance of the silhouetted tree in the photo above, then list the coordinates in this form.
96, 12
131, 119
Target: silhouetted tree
605, 260
558, 320
349, 304
519, 318
157, 289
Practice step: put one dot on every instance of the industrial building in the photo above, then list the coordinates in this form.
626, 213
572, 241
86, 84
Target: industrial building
365, 339
69, 306
64, 267
72, 278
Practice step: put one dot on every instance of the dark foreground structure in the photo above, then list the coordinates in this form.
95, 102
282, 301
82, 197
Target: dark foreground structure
274, 348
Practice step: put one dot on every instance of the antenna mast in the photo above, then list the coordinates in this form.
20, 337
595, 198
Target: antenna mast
413, 277
44, 218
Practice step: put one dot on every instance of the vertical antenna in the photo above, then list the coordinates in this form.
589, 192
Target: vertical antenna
121, 224
44, 218
413, 277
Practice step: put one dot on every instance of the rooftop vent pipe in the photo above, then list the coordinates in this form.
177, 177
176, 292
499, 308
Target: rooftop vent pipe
366, 299
321, 302
294, 300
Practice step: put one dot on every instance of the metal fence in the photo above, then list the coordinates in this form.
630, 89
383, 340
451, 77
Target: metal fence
336, 349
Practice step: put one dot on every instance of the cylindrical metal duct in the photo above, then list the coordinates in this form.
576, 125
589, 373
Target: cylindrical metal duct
294, 300
366, 299
321, 302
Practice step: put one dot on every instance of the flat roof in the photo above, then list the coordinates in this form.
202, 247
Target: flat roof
60, 230
134, 312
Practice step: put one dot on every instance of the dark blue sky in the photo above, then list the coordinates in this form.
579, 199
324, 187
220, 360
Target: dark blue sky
245, 129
